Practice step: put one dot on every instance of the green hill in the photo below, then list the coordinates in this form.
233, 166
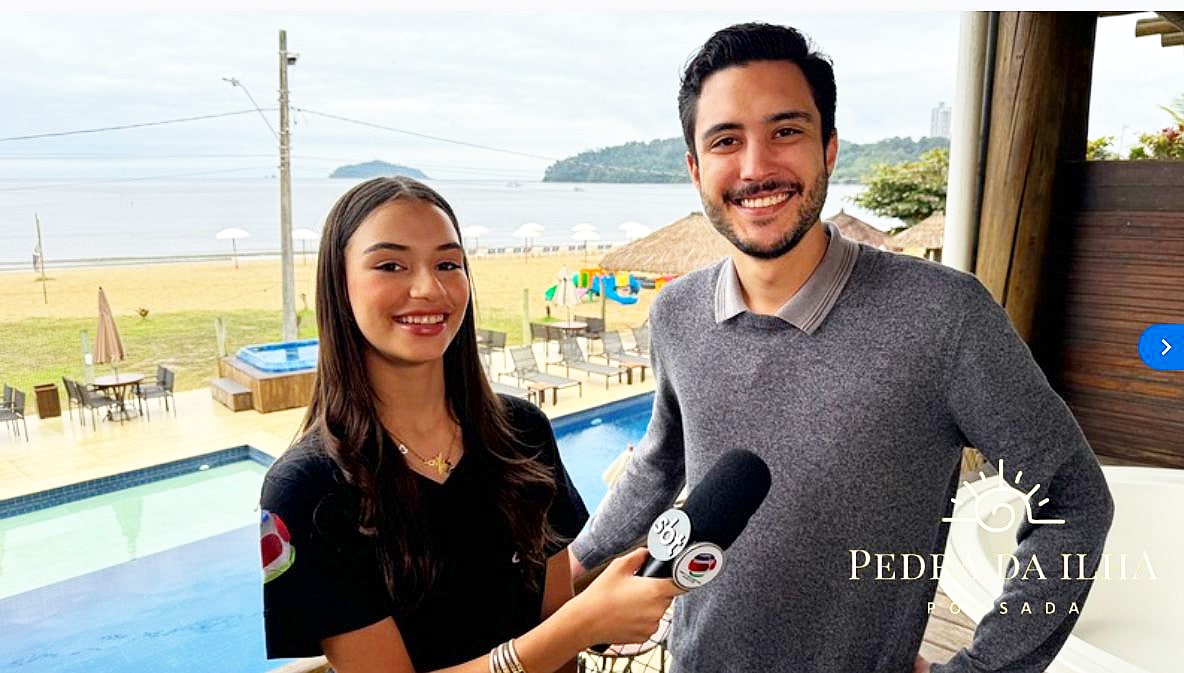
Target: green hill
662, 160
655, 161
377, 169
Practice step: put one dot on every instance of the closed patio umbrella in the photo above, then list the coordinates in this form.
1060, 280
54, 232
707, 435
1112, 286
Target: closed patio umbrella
108, 344
233, 234
566, 293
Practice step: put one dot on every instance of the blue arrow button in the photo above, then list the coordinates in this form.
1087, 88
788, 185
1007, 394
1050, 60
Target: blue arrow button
1162, 347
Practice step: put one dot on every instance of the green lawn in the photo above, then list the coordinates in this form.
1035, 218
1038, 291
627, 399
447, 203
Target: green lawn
42, 350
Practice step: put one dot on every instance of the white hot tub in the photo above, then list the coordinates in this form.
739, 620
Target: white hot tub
1131, 625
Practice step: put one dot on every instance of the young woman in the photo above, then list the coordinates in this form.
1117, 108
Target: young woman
419, 522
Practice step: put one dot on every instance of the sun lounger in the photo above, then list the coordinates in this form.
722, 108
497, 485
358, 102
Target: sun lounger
615, 353
526, 368
573, 358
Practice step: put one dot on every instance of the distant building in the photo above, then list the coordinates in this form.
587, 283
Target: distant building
939, 121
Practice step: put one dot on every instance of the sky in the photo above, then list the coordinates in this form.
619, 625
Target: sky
543, 83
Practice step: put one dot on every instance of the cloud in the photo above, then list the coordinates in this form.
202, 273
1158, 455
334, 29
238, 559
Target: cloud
547, 83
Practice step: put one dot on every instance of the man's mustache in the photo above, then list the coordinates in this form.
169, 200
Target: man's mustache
792, 186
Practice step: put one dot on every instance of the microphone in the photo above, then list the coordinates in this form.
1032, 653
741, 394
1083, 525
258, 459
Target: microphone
687, 544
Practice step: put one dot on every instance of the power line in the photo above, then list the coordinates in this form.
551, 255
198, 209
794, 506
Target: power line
103, 181
359, 122
480, 146
424, 135
58, 134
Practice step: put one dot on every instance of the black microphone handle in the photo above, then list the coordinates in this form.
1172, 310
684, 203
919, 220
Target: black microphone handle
655, 568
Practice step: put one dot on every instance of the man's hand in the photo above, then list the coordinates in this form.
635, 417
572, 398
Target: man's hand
921, 665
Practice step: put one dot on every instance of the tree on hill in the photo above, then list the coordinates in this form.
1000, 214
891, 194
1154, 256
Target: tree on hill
911, 191
664, 160
858, 160
653, 161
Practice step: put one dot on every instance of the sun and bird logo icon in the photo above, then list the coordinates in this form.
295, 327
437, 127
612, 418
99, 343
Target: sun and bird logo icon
1001, 498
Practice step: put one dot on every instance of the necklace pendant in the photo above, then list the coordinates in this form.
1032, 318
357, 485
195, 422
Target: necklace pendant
443, 465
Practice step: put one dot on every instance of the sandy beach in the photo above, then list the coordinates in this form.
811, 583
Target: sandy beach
256, 284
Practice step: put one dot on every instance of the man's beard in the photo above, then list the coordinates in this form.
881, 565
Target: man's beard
808, 212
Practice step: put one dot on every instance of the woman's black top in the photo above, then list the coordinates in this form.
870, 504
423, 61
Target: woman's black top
322, 576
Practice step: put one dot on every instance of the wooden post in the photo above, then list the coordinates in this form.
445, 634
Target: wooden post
41, 260
1041, 91
526, 316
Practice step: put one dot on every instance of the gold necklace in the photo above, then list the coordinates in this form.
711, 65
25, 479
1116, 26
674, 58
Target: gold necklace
440, 463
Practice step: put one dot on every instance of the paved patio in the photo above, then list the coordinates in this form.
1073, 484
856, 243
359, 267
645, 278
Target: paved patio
61, 451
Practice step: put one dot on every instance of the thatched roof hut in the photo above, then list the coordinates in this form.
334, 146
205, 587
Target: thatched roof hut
692, 243
924, 238
680, 247
857, 230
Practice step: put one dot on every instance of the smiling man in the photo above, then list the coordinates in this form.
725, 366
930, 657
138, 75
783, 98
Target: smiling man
858, 376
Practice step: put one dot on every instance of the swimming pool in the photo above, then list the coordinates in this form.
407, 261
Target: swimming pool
165, 576
289, 356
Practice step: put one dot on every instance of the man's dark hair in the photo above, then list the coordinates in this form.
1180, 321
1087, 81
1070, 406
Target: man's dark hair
746, 42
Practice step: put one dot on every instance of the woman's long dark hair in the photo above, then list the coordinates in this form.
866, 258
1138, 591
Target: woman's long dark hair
344, 413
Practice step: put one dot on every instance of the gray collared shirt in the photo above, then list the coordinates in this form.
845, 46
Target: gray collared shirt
813, 301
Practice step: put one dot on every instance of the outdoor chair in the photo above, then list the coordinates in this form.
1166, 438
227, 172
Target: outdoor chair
489, 340
92, 400
593, 331
73, 397
614, 352
526, 368
506, 389
641, 339
572, 357
545, 333
162, 388
539, 332
14, 414
6, 401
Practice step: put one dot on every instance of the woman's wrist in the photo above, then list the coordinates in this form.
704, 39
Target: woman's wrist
558, 640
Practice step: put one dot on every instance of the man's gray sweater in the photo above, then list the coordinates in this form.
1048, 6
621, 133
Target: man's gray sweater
862, 423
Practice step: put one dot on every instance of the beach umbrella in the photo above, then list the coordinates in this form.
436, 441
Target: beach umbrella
527, 232
634, 230
584, 226
474, 232
565, 291
304, 235
108, 344
585, 236
233, 234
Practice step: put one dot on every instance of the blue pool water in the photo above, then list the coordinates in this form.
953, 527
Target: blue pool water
289, 356
590, 440
120, 583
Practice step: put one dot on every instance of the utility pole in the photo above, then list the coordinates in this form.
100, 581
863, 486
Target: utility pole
288, 332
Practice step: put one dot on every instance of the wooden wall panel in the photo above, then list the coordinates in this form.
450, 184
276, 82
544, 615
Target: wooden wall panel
1119, 232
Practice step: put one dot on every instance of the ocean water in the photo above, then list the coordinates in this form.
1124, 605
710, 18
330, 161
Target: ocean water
172, 218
